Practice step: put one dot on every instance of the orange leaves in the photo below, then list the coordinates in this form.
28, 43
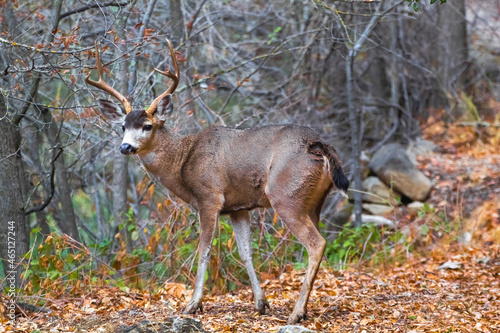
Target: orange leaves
275, 218
484, 224
176, 290
416, 297
476, 139
240, 82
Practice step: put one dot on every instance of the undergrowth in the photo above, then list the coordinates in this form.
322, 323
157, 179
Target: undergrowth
58, 264
146, 257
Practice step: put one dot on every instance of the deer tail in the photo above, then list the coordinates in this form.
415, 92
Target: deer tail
338, 177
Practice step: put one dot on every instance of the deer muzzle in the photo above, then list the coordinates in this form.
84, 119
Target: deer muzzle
127, 149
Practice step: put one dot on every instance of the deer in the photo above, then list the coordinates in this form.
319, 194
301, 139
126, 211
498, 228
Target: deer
227, 171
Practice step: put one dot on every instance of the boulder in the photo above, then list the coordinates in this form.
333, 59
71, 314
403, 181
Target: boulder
343, 215
393, 166
420, 147
376, 209
169, 325
293, 329
378, 192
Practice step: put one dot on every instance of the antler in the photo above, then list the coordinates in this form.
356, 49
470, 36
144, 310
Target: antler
168, 73
103, 85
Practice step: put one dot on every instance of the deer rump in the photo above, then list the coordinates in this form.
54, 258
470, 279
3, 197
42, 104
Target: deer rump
249, 166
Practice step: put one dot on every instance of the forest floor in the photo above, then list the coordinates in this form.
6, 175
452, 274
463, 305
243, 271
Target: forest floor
447, 283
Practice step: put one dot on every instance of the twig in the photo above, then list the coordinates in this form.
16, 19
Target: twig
133, 60
52, 187
195, 16
32, 48
97, 5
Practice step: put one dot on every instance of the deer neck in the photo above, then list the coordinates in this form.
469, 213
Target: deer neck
164, 161
166, 147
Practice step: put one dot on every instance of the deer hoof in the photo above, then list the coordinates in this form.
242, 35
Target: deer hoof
296, 317
191, 307
261, 306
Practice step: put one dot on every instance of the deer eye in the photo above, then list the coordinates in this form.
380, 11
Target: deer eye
123, 128
148, 128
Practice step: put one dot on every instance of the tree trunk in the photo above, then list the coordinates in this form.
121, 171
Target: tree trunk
68, 223
120, 164
451, 49
14, 240
177, 21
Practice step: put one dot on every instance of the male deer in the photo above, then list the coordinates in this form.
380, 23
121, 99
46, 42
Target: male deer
232, 171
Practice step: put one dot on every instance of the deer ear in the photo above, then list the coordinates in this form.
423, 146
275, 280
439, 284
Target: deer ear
110, 110
164, 109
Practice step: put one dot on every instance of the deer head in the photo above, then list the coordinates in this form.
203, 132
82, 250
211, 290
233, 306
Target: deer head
139, 126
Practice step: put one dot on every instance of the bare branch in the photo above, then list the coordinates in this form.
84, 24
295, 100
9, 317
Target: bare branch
52, 186
97, 5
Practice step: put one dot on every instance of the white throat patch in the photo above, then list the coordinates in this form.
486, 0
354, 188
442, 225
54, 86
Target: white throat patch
135, 137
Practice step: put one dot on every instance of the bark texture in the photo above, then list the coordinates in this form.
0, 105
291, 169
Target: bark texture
13, 236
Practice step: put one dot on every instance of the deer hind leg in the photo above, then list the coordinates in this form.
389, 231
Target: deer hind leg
208, 222
299, 207
303, 228
242, 233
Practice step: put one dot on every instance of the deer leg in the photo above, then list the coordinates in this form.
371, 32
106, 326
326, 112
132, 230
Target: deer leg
303, 228
242, 233
208, 221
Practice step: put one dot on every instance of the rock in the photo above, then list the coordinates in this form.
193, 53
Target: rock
338, 220
343, 215
393, 166
186, 325
415, 207
420, 147
169, 325
377, 209
378, 192
378, 220
293, 329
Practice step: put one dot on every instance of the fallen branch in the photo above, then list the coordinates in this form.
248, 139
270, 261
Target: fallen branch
477, 123
32, 308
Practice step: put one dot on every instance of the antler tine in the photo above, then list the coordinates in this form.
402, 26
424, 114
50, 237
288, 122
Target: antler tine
168, 73
103, 85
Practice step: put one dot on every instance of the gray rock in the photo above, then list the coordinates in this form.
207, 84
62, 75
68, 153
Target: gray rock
377, 220
293, 329
377, 209
415, 207
393, 166
420, 147
169, 325
378, 192
343, 215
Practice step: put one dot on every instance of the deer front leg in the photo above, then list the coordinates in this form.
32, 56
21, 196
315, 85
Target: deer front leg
242, 233
208, 221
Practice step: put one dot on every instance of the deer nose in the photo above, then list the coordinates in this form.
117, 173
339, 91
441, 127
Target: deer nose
127, 149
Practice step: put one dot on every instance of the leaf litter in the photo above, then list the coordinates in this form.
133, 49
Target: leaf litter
445, 285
